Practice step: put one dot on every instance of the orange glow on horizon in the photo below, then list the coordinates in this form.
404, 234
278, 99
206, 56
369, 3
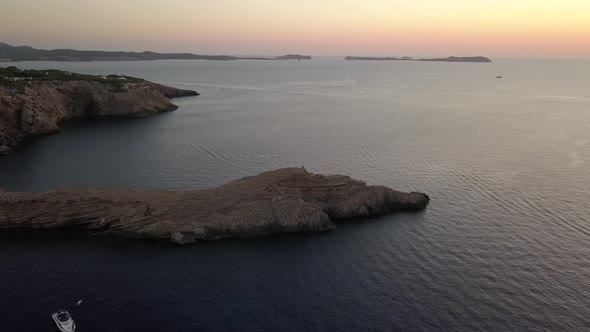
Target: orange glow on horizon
320, 27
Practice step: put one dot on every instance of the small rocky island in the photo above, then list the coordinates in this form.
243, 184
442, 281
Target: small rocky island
35, 102
285, 200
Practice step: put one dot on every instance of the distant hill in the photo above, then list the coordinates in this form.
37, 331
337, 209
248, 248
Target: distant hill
449, 59
294, 57
27, 53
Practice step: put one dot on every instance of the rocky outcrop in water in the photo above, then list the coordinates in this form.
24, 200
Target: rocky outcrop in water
40, 107
285, 200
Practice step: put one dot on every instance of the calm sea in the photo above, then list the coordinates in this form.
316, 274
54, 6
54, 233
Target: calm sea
503, 246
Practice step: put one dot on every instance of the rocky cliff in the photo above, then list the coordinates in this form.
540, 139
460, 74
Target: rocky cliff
285, 200
39, 106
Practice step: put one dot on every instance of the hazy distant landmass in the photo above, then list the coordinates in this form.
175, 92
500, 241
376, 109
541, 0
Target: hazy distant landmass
27, 53
460, 59
448, 59
294, 57
282, 201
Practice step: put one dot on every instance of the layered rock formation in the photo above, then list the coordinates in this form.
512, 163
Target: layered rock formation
41, 106
285, 200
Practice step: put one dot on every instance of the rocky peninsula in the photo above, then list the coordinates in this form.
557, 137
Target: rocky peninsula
285, 200
36, 102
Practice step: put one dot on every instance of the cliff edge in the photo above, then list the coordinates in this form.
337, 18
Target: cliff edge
285, 200
37, 102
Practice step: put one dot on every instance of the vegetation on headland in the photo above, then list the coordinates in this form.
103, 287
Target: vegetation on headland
15, 78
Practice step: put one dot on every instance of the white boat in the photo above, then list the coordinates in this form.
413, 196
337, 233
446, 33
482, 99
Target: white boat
64, 321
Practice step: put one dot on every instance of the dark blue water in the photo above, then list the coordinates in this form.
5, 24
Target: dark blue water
503, 246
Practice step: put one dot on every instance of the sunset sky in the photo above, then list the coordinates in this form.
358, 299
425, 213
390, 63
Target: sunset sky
509, 28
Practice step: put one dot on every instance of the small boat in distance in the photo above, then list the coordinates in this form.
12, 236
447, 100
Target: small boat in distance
64, 321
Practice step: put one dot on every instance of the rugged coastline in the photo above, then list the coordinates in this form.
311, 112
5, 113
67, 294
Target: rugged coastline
285, 200
38, 102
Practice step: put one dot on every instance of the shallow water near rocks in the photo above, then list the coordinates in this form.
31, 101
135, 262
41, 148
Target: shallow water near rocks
504, 244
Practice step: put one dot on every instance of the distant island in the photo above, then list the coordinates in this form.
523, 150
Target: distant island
448, 59
35, 102
280, 201
27, 53
294, 57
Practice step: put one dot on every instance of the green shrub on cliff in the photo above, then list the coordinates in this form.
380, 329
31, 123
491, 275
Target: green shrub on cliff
15, 78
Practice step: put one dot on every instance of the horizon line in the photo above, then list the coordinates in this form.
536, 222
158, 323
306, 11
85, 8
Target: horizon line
572, 57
